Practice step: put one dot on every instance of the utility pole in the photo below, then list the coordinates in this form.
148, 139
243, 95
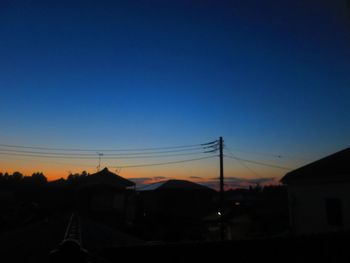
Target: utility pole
222, 234
213, 146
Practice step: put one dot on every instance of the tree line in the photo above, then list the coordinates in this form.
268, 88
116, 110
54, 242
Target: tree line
37, 178
18, 177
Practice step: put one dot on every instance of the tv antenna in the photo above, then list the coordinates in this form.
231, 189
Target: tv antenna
99, 161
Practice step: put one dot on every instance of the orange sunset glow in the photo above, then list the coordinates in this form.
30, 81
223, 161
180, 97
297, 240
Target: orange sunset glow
202, 171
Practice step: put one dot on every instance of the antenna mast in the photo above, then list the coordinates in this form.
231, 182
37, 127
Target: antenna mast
99, 161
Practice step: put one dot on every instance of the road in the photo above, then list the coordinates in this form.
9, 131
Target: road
34, 242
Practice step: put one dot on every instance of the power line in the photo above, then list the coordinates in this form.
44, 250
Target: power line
46, 156
170, 151
94, 154
208, 144
105, 150
128, 166
164, 163
246, 166
242, 163
279, 156
259, 163
106, 156
54, 162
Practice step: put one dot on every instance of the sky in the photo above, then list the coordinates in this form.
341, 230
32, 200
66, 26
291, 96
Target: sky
271, 77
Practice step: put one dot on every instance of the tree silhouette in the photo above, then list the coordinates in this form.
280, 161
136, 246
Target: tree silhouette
17, 176
39, 178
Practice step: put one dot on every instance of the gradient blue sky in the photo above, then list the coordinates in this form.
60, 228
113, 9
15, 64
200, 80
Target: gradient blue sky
268, 76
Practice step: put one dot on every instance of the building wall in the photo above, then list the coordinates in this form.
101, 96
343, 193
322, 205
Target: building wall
102, 202
308, 213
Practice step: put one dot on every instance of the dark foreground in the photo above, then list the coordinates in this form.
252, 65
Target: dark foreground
34, 243
328, 248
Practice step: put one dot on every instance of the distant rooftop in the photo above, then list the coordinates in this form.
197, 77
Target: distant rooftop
106, 177
335, 167
175, 185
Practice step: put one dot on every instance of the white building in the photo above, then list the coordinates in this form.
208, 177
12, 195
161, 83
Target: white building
319, 195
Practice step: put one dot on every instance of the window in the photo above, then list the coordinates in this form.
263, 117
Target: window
334, 212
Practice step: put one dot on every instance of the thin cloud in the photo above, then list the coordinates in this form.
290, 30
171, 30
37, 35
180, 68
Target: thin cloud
157, 178
140, 179
236, 182
143, 181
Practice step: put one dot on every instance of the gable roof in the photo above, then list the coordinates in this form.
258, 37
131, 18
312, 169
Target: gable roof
182, 184
176, 185
332, 168
106, 177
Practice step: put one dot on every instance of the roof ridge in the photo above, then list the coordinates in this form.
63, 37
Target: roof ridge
335, 164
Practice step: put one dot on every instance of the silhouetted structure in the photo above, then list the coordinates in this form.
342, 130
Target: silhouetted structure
70, 249
250, 213
172, 210
22, 199
105, 192
319, 195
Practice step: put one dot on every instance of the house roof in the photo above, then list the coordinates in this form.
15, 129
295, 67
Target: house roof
58, 182
182, 184
335, 167
106, 177
176, 185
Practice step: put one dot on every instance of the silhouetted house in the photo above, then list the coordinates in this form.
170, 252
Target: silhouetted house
105, 191
175, 208
59, 195
176, 197
58, 183
319, 195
